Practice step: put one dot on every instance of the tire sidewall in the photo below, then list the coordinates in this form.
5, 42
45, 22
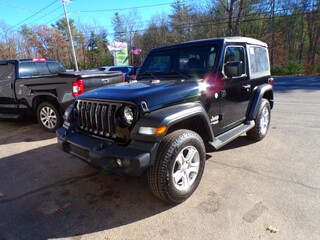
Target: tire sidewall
264, 104
185, 141
57, 113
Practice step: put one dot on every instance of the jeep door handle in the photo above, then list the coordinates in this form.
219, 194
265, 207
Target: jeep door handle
246, 87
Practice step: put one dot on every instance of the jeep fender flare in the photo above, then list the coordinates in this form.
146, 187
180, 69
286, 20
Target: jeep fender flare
259, 92
170, 116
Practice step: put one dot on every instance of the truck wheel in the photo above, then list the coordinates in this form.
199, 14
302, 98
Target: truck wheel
178, 166
49, 116
262, 122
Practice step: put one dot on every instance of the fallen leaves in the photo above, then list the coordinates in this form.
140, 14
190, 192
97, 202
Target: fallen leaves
272, 229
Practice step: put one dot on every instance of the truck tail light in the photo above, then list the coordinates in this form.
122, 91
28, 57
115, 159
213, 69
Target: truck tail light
78, 88
270, 81
122, 78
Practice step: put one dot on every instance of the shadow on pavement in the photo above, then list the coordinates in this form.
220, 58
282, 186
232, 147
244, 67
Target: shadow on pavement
46, 193
22, 130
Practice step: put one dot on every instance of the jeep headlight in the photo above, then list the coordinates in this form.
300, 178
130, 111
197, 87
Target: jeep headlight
126, 115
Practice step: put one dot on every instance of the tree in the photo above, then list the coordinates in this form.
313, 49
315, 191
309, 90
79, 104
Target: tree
313, 26
119, 28
8, 41
97, 49
28, 48
181, 21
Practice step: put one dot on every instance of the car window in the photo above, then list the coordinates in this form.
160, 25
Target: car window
28, 69
55, 67
102, 69
6, 71
42, 68
236, 54
188, 60
121, 69
259, 61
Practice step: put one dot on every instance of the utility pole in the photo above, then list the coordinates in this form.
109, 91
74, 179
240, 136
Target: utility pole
70, 35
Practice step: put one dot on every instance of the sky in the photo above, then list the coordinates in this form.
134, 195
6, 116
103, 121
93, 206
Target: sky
100, 12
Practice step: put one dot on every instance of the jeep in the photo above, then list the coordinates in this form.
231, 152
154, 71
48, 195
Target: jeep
186, 96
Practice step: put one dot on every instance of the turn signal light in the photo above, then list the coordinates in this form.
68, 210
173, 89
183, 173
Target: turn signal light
160, 130
152, 131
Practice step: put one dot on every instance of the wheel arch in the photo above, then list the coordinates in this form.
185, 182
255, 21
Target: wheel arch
44, 98
191, 116
260, 92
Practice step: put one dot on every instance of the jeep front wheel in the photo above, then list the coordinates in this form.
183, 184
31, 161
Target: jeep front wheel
49, 116
178, 166
262, 122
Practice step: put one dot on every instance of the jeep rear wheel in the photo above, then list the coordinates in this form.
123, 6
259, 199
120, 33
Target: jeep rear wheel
262, 122
49, 116
178, 166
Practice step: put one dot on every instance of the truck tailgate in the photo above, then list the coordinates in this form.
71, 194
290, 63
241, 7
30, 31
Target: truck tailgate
94, 79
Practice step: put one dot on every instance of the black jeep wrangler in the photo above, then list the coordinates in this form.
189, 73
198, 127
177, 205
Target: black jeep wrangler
206, 91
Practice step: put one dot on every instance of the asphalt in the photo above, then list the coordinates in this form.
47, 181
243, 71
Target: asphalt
264, 190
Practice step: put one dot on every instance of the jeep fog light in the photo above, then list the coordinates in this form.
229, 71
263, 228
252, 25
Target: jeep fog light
152, 131
119, 162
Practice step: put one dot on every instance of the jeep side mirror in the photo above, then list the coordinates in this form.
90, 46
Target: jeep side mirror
233, 69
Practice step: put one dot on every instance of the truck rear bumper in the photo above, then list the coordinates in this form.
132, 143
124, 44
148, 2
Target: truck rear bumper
130, 160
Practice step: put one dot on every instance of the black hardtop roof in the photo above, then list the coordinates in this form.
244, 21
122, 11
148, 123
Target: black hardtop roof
247, 40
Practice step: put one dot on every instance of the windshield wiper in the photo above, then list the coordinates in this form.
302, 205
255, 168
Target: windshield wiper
151, 74
183, 76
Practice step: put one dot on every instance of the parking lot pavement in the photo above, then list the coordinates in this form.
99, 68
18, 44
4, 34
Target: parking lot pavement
264, 190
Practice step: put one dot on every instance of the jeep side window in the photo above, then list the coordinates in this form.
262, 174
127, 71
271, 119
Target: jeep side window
212, 57
235, 54
259, 61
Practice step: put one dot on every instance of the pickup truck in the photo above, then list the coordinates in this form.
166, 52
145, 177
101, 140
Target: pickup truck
186, 97
43, 88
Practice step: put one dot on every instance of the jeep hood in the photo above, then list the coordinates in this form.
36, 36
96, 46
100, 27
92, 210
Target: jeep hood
156, 94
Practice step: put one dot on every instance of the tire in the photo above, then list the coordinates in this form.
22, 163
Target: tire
178, 166
262, 122
49, 116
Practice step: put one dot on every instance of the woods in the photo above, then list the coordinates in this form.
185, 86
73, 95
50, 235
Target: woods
290, 27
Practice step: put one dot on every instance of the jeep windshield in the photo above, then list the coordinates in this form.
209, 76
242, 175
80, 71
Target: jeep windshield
183, 62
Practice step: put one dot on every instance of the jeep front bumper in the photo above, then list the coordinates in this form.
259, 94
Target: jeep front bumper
130, 160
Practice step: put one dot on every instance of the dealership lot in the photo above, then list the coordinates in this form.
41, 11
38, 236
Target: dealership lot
265, 190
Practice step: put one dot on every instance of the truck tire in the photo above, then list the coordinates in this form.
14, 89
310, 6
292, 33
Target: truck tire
262, 122
49, 116
178, 166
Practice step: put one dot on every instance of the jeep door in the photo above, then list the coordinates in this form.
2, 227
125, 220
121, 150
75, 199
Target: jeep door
8, 103
235, 91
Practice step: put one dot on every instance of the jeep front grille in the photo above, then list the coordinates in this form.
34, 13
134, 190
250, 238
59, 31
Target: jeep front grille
97, 118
